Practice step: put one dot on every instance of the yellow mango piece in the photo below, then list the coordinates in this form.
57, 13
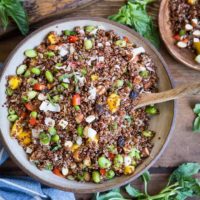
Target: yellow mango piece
52, 38
16, 128
14, 82
24, 137
74, 147
197, 47
192, 2
129, 170
95, 139
94, 77
113, 102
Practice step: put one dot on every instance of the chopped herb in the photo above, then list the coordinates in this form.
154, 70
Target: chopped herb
181, 185
134, 15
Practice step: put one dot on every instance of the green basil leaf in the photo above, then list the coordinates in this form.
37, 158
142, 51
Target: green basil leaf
112, 195
3, 17
146, 176
197, 108
133, 192
196, 125
184, 171
14, 9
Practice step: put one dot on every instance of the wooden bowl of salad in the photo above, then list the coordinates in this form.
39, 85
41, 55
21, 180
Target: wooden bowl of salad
68, 95
179, 24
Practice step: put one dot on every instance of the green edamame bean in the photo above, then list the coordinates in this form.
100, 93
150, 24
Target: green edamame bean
33, 114
77, 108
86, 176
96, 176
65, 85
152, 110
31, 95
147, 133
31, 53
88, 44
84, 71
118, 160
50, 54
27, 73
9, 91
52, 131
104, 163
80, 130
119, 83
21, 69
55, 138
24, 98
134, 163
49, 76
11, 111
121, 43
89, 28
12, 118
144, 74
68, 32
134, 153
44, 138
36, 71
110, 174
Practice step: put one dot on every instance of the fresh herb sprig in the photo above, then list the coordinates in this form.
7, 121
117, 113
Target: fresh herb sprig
134, 15
180, 186
13, 9
196, 125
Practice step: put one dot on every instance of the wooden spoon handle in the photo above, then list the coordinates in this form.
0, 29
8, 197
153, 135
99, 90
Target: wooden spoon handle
178, 92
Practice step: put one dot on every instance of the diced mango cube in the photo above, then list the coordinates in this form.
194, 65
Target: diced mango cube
94, 77
113, 102
14, 82
197, 47
129, 170
52, 38
192, 2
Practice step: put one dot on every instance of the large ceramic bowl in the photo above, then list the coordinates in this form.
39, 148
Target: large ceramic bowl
162, 124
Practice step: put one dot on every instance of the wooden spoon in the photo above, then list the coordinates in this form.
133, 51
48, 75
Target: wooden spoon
178, 92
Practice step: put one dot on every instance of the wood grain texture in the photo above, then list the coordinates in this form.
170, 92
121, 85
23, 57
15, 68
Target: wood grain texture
176, 93
183, 55
43, 9
184, 145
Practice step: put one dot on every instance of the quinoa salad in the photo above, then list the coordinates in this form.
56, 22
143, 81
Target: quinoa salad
185, 25
71, 104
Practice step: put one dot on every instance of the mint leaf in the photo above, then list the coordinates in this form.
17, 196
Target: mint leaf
133, 192
134, 15
14, 9
197, 108
184, 171
196, 125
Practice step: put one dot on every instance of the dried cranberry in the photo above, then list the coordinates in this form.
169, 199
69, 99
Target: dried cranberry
121, 141
133, 94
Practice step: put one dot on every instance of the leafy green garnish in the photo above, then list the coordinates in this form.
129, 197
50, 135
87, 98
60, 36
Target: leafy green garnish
13, 9
134, 15
196, 124
181, 185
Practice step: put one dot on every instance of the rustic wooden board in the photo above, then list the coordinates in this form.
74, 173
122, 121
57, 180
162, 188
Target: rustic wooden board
38, 10
184, 145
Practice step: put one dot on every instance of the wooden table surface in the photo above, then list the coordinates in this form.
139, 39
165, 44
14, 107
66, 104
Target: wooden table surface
184, 145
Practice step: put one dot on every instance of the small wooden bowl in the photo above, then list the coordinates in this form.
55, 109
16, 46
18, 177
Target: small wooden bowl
185, 56
162, 124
